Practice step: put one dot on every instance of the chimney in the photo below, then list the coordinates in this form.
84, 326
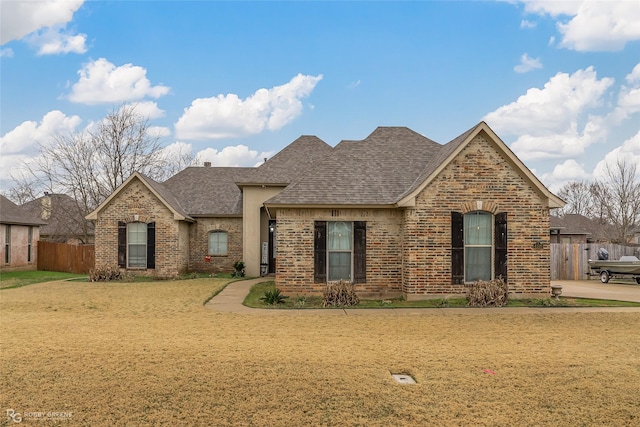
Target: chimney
207, 164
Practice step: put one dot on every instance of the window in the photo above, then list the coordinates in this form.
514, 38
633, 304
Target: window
29, 244
340, 251
7, 245
478, 246
218, 243
136, 245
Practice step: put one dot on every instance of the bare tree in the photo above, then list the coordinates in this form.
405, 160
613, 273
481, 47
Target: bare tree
618, 196
579, 199
91, 164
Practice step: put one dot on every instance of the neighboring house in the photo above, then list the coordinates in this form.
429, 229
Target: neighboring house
395, 213
576, 228
20, 233
64, 218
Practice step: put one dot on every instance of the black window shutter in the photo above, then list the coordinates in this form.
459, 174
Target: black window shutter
320, 252
151, 245
122, 244
457, 248
359, 252
500, 256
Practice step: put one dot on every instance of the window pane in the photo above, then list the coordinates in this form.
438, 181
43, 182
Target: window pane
477, 264
340, 236
339, 266
218, 243
477, 229
138, 256
137, 245
137, 233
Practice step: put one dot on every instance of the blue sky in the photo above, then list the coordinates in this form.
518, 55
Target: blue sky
235, 82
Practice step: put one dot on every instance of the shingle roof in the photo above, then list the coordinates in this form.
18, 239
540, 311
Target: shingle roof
10, 213
292, 162
374, 171
443, 153
64, 217
204, 191
167, 195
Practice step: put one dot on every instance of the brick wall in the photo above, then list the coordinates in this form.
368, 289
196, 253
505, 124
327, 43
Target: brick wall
294, 249
199, 244
477, 179
409, 250
136, 199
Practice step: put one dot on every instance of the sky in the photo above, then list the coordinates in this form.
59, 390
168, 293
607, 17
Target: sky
235, 82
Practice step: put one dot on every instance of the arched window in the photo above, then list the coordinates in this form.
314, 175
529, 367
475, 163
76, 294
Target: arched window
218, 242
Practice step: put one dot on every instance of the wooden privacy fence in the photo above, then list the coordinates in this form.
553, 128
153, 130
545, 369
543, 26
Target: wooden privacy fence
569, 260
64, 257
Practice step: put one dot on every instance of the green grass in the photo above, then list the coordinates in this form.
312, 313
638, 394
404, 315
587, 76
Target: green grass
16, 279
298, 301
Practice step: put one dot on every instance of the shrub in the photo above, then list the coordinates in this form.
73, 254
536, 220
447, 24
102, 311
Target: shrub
273, 297
484, 294
339, 294
105, 274
238, 267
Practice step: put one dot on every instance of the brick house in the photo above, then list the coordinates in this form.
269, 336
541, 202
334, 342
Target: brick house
395, 213
20, 232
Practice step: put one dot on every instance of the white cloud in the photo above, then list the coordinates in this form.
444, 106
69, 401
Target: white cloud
354, 84
147, 109
102, 82
19, 18
628, 151
158, 131
21, 144
527, 64
527, 24
569, 170
238, 155
6, 53
176, 150
26, 136
593, 25
228, 116
546, 120
52, 41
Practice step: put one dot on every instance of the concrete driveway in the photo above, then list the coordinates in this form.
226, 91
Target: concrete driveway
621, 290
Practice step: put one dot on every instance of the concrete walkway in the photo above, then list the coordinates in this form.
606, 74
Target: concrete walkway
621, 290
230, 300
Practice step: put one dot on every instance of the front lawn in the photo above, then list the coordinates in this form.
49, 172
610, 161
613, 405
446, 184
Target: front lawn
16, 279
150, 353
295, 302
